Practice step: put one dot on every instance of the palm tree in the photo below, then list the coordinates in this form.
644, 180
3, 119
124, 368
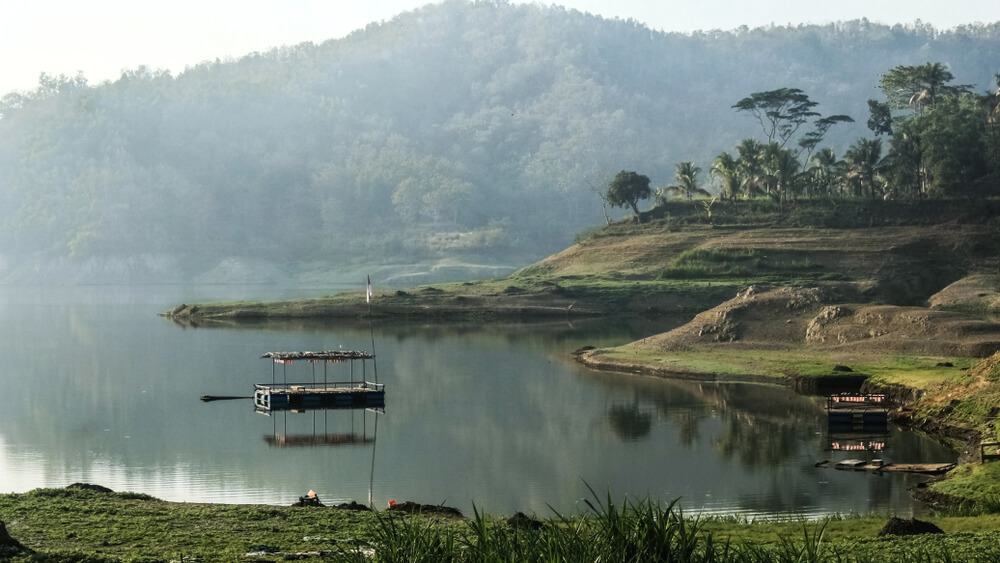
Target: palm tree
726, 169
786, 172
750, 166
781, 168
863, 165
686, 174
824, 170
932, 78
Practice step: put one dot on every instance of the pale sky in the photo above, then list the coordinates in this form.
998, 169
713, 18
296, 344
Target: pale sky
103, 37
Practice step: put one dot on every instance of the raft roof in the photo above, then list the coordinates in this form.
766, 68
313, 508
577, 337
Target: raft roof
337, 355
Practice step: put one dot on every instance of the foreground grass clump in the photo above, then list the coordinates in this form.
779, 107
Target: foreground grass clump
83, 526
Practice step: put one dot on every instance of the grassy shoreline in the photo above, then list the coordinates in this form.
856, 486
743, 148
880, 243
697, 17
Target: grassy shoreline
81, 525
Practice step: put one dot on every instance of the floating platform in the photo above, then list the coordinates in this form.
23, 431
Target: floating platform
878, 467
305, 396
852, 412
354, 394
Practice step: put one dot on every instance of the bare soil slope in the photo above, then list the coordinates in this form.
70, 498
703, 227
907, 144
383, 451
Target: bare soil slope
829, 318
978, 292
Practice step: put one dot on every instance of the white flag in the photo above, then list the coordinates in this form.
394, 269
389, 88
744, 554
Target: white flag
368, 293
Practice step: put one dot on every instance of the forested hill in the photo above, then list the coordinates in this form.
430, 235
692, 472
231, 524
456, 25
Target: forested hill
466, 131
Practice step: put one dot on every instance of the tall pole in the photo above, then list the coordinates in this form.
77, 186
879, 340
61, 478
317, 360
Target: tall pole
371, 326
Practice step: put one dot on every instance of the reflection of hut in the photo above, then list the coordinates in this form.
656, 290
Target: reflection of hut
285, 440
857, 442
354, 432
341, 392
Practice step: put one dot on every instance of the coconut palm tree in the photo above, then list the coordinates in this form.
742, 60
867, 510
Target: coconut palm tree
686, 174
824, 170
750, 166
726, 169
863, 165
781, 168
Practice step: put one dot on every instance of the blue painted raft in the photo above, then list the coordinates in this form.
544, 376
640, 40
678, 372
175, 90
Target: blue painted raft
302, 396
354, 394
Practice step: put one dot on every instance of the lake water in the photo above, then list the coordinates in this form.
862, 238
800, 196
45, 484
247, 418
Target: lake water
97, 388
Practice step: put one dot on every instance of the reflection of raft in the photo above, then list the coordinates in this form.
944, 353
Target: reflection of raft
878, 467
283, 440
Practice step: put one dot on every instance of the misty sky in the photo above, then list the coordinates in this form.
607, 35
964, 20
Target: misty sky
102, 37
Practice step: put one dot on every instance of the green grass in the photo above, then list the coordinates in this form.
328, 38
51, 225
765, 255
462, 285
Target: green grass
913, 371
748, 265
977, 481
130, 528
81, 526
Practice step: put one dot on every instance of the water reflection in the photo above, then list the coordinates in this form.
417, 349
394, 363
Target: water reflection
321, 426
493, 414
629, 421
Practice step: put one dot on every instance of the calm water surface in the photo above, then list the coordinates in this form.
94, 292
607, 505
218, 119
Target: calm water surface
99, 389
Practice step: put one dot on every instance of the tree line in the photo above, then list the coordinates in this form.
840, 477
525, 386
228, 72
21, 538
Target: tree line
944, 141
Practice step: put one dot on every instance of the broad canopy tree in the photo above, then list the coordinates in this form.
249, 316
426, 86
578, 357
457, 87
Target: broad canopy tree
780, 112
626, 189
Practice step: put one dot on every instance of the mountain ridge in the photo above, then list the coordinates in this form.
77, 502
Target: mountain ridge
487, 124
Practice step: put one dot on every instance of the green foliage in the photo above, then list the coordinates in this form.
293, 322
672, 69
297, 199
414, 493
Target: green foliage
918, 87
880, 120
942, 141
951, 138
863, 166
626, 189
686, 174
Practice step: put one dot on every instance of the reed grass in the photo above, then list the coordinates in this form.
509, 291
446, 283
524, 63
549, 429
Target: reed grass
627, 532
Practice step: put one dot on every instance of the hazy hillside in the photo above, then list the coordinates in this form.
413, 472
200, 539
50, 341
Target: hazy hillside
471, 132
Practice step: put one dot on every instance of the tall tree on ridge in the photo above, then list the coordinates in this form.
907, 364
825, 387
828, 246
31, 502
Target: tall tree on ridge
780, 112
627, 188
